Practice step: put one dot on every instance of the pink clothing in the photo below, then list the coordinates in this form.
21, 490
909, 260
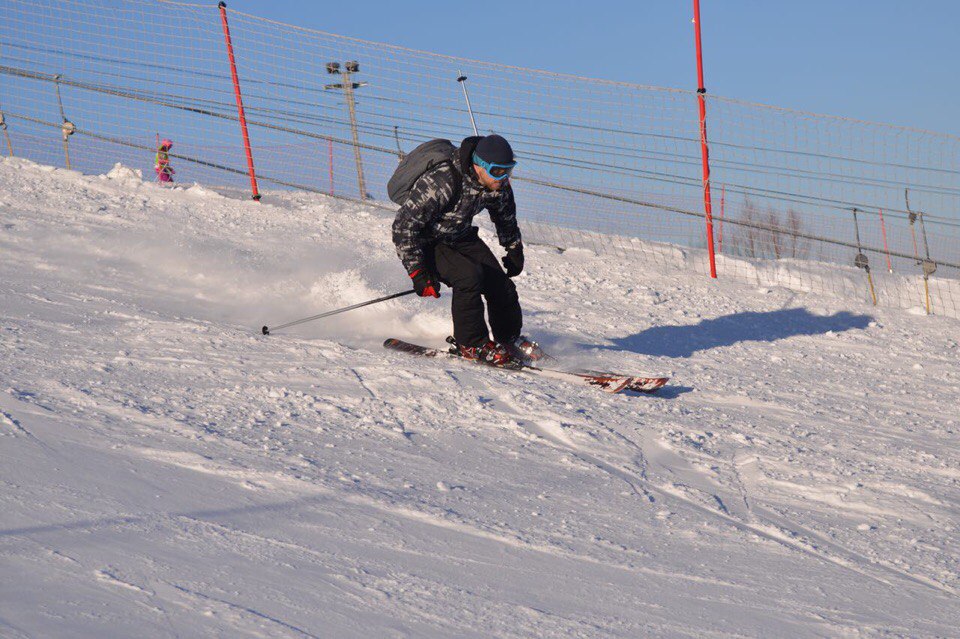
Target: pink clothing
162, 167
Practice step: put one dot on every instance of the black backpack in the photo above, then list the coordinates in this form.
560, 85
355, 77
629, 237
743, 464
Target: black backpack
416, 163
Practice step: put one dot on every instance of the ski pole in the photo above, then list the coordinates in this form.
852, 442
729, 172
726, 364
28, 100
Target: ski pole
266, 330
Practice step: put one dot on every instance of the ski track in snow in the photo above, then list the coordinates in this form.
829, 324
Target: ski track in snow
767, 525
168, 471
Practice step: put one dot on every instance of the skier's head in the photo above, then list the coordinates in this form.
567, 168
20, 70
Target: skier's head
493, 162
166, 143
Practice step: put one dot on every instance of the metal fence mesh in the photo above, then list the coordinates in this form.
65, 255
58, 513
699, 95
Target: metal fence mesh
608, 166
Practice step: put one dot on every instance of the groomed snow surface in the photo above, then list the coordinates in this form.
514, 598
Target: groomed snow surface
167, 471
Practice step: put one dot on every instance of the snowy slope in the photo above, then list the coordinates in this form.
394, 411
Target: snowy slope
169, 472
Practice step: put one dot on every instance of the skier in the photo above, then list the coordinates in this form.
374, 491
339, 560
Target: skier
436, 242
162, 164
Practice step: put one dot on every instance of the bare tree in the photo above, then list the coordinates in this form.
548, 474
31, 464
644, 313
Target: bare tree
750, 215
767, 234
799, 246
773, 233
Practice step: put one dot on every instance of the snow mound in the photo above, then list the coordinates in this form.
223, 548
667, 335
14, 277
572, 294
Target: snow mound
127, 177
203, 193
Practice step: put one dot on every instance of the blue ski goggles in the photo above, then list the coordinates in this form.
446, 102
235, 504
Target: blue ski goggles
497, 171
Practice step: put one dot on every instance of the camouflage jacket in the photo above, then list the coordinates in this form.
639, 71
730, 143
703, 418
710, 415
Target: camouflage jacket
429, 215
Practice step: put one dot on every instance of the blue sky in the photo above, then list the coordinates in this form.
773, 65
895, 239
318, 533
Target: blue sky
884, 61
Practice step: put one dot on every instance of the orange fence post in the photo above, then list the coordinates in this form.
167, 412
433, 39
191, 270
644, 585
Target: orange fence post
883, 228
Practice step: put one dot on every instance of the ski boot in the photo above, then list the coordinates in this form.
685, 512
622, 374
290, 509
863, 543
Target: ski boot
491, 353
526, 350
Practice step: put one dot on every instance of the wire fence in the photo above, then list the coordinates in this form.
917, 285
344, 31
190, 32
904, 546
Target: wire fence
816, 203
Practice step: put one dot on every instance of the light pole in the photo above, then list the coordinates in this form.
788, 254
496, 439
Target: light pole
462, 79
348, 86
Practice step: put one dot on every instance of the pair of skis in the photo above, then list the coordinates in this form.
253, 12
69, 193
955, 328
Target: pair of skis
607, 382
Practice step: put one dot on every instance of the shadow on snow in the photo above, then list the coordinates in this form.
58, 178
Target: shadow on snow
684, 341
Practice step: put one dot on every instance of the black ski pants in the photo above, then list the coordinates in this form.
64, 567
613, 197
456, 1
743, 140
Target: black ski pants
469, 268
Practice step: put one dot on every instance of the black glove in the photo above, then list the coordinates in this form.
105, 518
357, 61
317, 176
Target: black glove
513, 261
425, 284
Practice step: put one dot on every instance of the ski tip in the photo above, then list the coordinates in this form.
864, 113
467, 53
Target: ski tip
390, 341
265, 330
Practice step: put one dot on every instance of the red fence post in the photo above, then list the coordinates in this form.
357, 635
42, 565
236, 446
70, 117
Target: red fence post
704, 150
236, 91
